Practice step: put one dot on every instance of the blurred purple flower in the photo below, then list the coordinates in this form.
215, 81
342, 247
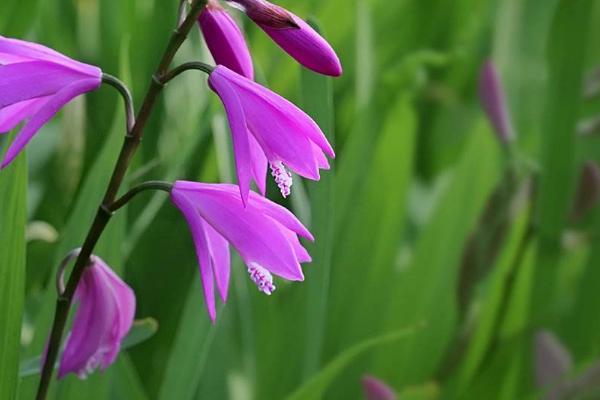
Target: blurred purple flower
104, 316
35, 83
493, 99
225, 40
267, 127
264, 234
376, 389
293, 35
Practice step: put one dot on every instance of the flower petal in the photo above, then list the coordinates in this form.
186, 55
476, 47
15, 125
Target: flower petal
306, 46
45, 113
239, 131
31, 79
259, 165
218, 248
34, 51
13, 115
88, 340
125, 302
256, 238
195, 224
281, 107
225, 40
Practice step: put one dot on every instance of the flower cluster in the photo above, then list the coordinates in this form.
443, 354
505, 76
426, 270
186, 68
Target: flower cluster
268, 132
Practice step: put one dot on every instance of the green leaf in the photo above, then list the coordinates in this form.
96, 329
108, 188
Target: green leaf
364, 266
566, 56
188, 356
316, 386
13, 215
426, 289
492, 303
317, 101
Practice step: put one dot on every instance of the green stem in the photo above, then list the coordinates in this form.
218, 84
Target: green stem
150, 185
194, 65
104, 213
127, 99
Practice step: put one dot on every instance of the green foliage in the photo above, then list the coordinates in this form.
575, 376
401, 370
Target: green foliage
423, 220
13, 215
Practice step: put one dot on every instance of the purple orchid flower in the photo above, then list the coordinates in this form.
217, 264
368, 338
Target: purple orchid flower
35, 83
493, 99
293, 35
225, 40
376, 389
267, 128
104, 316
265, 235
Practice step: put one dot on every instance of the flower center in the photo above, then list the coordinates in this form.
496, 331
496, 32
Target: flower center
282, 176
262, 278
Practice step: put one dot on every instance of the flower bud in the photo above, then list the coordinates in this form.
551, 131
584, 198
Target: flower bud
376, 389
293, 35
225, 40
493, 100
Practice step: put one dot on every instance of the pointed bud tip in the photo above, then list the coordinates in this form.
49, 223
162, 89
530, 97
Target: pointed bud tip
493, 99
376, 389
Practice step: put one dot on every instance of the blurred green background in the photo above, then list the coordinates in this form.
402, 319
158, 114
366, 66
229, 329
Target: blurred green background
440, 254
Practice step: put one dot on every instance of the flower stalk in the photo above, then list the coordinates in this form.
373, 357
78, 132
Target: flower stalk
132, 141
127, 98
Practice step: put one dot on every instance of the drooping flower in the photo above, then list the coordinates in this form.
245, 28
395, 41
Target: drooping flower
265, 235
293, 35
493, 99
35, 83
376, 389
103, 318
225, 40
268, 128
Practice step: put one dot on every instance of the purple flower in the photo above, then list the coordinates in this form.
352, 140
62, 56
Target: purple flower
104, 316
293, 35
494, 101
225, 40
376, 389
264, 234
35, 83
267, 127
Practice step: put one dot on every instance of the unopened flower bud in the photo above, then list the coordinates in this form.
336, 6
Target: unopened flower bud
493, 100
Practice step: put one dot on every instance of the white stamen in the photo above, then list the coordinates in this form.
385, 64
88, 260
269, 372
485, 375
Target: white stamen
262, 278
282, 176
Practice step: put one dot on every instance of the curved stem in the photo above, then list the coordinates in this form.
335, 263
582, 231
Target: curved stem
60, 284
127, 98
132, 141
194, 65
150, 185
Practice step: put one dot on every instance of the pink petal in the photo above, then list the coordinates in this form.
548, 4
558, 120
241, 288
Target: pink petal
31, 79
195, 224
13, 115
218, 248
225, 40
260, 164
281, 107
89, 335
256, 238
45, 113
306, 46
20, 49
239, 132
